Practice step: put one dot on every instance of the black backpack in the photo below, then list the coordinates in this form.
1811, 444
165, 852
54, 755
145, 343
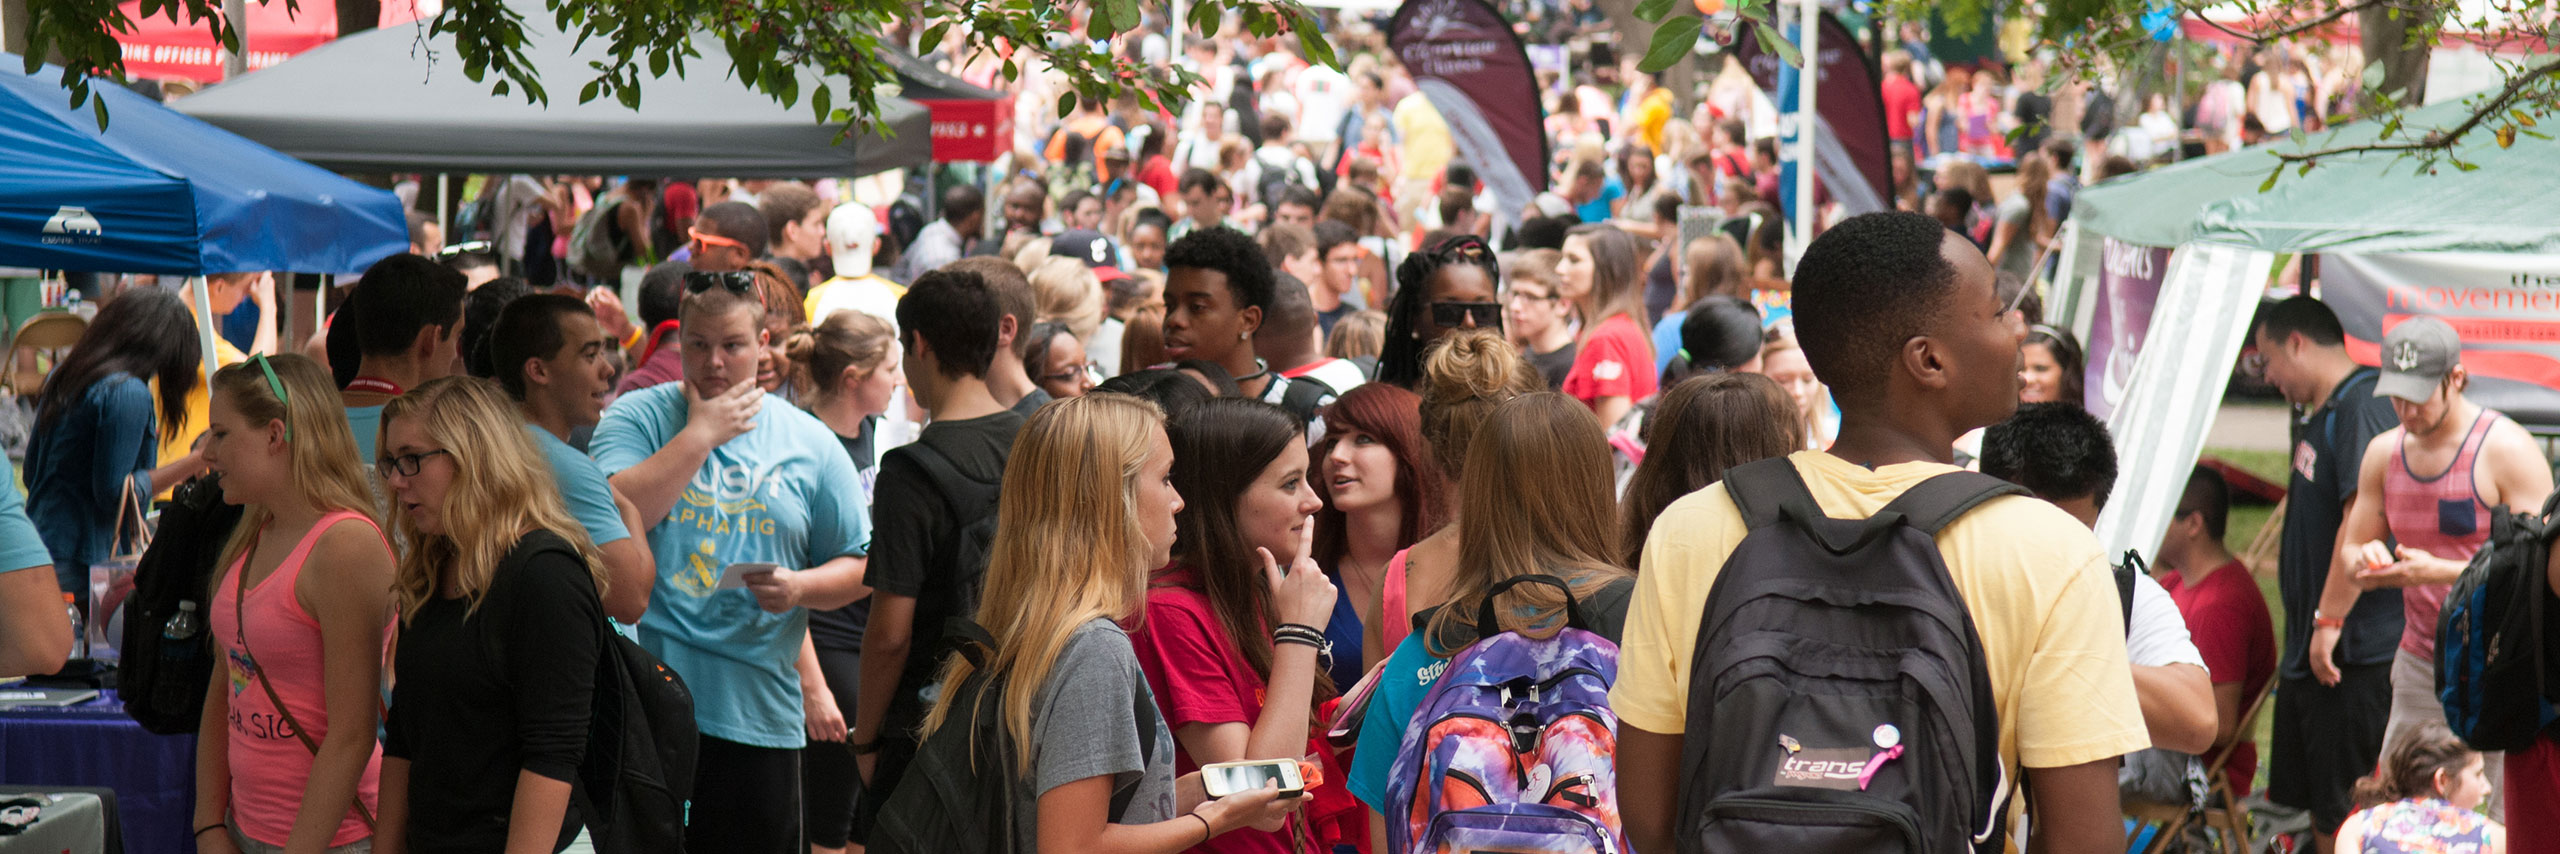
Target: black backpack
2492, 654
641, 742
957, 794
163, 683
1840, 700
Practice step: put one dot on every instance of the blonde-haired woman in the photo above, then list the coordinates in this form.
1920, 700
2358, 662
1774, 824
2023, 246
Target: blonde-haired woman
1068, 291
1064, 570
285, 757
502, 621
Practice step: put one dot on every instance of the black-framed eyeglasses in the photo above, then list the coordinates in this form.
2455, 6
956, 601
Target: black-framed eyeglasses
1488, 315
406, 465
738, 282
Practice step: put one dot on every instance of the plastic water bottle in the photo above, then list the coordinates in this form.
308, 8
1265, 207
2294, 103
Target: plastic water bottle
79, 627
178, 649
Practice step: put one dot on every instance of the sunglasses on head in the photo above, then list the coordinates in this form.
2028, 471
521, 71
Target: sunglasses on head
1488, 315
738, 282
701, 240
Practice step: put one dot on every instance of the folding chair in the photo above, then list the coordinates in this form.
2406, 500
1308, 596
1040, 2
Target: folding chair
2221, 810
47, 335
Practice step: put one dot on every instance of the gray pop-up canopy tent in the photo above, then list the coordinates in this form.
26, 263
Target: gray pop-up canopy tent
2187, 248
390, 100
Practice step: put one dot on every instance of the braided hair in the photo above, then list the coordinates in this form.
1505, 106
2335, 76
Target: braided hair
1400, 360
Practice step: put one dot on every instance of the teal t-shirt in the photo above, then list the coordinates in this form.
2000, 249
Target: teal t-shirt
366, 423
780, 493
20, 548
582, 487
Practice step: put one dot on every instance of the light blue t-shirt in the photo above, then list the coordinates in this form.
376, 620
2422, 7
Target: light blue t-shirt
366, 423
582, 487
1666, 339
781, 493
20, 548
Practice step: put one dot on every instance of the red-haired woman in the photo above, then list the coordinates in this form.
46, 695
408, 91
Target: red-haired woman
1382, 493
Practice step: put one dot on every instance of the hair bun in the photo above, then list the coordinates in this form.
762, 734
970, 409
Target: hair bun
1473, 363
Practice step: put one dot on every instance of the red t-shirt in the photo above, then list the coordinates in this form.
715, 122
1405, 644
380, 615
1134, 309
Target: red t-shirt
1615, 361
2532, 788
2227, 618
1901, 102
1199, 677
1157, 174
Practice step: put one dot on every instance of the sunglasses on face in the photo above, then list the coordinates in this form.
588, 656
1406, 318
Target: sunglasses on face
1488, 315
738, 282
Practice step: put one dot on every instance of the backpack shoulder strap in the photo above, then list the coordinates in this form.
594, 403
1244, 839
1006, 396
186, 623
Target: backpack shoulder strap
1760, 488
1937, 502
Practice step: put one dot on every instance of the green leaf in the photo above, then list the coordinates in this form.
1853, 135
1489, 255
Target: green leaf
1312, 43
592, 89
2270, 183
1671, 43
823, 101
2466, 166
933, 37
1653, 10
658, 63
1066, 104
98, 107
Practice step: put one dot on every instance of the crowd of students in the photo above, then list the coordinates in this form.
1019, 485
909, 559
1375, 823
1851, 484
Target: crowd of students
1231, 456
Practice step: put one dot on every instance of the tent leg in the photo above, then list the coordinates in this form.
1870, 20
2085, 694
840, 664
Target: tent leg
444, 224
204, 324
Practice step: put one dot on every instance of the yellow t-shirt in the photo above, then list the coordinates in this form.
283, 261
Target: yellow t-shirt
199, 409
2036, 581
1424, 147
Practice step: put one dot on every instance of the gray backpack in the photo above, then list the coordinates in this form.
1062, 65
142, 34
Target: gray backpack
1840, 701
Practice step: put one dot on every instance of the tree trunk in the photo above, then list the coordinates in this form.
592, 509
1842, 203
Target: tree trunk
356, 16
2404, 67
13, 27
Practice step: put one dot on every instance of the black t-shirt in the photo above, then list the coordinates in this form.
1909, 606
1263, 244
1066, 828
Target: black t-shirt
841, 629
1031, 403
2328, 452
483, 695
1555, 365
1326, 319
916, 537
1606, 607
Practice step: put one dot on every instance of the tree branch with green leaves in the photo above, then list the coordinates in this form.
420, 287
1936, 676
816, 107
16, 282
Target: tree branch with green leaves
773, 46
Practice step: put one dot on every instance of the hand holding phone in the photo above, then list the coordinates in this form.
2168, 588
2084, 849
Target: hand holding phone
1227, 778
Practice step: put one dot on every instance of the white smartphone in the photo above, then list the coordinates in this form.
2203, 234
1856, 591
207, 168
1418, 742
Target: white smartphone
1227, 778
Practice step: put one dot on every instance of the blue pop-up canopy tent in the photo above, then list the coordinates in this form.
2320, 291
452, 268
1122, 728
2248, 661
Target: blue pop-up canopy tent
157, 191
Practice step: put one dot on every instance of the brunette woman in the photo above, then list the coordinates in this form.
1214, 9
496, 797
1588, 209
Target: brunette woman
1091, 773
1612, 372
98, 427
1704, 426
1231, 645
1563, 528
848, 368
1467, 375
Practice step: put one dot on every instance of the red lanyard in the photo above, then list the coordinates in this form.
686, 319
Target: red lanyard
376, 385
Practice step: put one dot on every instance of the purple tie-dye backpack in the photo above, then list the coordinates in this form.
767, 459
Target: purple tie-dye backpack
1514, 749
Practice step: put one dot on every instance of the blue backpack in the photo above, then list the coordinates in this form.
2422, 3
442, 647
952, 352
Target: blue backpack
2491, 650
1514, 749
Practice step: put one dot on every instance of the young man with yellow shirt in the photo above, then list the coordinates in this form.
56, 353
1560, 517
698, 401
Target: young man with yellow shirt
1897, 315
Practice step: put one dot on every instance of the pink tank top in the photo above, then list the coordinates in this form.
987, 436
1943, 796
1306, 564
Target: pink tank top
269, 766
2441, 515
1391, 611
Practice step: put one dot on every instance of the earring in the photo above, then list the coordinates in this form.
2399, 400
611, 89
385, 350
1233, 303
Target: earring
1244, 336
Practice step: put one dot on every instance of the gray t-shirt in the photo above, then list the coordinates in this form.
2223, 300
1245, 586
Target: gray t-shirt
2021, 255
1098, 714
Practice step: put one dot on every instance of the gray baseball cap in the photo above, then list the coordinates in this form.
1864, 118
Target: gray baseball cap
2416, 356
